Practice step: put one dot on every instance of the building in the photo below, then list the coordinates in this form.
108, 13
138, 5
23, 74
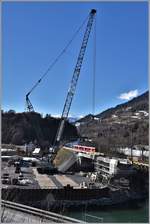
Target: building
36, 152
112, 166
105, 166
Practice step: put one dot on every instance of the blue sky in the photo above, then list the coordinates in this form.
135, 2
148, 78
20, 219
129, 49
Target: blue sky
35, 33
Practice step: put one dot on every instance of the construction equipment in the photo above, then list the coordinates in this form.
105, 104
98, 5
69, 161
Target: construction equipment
73, 85
71, 92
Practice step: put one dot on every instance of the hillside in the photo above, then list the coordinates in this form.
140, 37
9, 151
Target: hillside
134, 105
21, 128
124, 125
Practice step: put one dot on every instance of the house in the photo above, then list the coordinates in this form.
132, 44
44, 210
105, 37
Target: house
36, 152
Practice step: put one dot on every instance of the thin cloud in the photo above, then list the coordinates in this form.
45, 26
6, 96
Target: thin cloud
81, 116
129, 95
56, 115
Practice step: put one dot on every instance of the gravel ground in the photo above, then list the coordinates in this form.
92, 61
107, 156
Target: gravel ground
29, 174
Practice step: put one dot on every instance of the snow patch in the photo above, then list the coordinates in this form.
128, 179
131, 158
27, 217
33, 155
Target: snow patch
144, 112
138, 153
96, 118
8, 150
77, 124
136, 117
114, 116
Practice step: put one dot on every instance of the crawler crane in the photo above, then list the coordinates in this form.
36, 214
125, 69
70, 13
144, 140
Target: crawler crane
71, 92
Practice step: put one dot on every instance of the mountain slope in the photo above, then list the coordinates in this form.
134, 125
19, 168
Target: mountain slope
123, 125
136, 104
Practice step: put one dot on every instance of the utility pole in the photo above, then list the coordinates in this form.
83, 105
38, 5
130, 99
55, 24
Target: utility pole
131, 145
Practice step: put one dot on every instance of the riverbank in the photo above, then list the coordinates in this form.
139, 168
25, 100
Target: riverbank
127, 215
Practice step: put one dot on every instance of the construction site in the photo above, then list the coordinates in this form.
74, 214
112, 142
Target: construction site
84, 177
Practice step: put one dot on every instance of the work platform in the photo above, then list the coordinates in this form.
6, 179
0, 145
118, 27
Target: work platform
40, 181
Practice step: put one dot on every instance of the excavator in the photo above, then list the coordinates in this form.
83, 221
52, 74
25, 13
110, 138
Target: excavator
70, 94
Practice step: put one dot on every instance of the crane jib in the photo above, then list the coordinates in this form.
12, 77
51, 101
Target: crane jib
78, 65
74, 80
60, 130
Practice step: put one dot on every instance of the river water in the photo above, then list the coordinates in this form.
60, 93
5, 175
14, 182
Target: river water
136, 215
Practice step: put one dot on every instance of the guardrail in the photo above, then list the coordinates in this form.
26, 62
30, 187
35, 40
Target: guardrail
42, 214
141, 163
100, 219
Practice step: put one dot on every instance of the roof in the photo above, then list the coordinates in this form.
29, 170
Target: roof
36, 151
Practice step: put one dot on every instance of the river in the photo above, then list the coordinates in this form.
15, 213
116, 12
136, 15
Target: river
136, 215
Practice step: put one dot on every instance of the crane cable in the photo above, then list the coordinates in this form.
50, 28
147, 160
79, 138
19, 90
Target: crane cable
94, 70
57, 58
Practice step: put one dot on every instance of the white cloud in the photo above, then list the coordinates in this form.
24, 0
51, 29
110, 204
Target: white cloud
70, 116
129, 95
81, 116
56, 115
